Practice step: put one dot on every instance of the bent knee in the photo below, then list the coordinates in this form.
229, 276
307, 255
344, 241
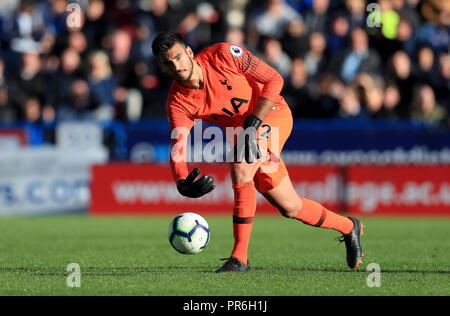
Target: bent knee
290, 210
241, 173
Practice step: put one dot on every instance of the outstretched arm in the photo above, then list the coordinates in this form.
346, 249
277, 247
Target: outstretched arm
180, 126
187, 183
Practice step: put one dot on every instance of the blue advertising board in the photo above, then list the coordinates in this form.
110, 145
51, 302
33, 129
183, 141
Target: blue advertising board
340, 142
322, 141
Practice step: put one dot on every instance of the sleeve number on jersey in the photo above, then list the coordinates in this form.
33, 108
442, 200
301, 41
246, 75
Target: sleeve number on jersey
267, 131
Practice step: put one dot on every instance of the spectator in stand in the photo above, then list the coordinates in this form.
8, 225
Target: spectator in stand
149, 85
121, 63
128, 75
350, 106
25, 28
426, 66
442, 82
32, 110
315, 58
371, 94
79, 104
435, 32
61, 82
43, 58
357, 11
32, 120
30, 82
164, 17
405, 37
404, 40
401, 74
295, 39
77, 41
326, 96
200, 25
361, 58
102, 84
74, 40
408, 10
54, 14
317, 18
273, 20
235, 36
141, 45
296, 92
7, 112
96, 22
276, 57
391, 102
337, 37
426, 109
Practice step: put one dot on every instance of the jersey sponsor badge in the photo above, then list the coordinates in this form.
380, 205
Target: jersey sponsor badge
236, 51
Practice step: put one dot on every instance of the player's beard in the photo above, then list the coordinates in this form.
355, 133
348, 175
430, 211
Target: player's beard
191, 71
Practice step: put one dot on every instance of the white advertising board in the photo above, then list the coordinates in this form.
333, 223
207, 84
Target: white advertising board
46, 180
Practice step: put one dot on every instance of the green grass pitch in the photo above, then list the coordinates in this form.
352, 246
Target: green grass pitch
132, 256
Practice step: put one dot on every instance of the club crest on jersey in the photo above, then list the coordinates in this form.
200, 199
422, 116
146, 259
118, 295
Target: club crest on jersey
236, 51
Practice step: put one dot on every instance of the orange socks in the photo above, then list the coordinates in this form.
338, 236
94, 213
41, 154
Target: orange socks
243, 214
314, 214
311, 213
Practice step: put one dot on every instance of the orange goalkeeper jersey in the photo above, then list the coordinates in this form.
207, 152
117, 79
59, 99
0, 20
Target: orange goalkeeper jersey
233, 81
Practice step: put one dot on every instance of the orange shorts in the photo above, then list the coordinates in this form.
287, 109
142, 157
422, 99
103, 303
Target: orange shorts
273, 134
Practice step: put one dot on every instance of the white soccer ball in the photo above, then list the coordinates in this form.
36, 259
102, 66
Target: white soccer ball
189, 233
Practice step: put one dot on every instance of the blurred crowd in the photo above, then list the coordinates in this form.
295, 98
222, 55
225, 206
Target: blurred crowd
386, 59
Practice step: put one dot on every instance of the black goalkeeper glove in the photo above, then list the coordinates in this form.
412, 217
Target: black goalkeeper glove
195, 188
248, 148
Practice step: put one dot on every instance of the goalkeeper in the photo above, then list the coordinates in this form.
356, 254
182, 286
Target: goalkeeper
226, 85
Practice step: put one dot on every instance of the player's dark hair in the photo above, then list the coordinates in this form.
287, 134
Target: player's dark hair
164, 41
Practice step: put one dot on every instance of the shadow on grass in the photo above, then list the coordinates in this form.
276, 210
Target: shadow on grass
130, 271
